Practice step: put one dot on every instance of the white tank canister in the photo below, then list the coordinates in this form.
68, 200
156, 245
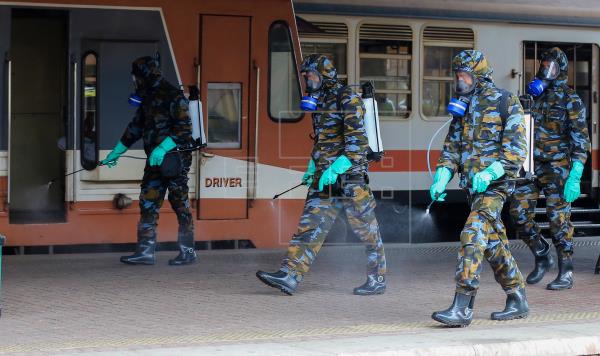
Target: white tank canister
527, 102
371, 121
196, 116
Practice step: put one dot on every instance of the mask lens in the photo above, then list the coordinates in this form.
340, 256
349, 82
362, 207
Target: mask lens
548, 70
464, 83
313, 80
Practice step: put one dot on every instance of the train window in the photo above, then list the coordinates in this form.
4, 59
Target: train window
284, 84
327, 38
224, 115
335, 51
89, 117
440, 45
385, 53
580, 59
437, 79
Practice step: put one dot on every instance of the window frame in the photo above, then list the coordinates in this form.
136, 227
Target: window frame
439, 43
83, 111
294, 61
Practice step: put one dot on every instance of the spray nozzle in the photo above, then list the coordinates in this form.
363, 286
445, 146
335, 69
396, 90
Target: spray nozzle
50, 183
436, 197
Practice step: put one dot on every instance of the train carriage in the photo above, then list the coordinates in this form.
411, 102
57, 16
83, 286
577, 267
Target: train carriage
406, 48
66, 79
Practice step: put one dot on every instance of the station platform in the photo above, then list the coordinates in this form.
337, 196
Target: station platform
93, 304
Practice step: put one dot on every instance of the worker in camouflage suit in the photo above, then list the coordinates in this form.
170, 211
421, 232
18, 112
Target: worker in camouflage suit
339, 155
163, 122
487, 143
561, 147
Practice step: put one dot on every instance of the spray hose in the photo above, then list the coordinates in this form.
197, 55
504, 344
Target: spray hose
429, 147
429, 160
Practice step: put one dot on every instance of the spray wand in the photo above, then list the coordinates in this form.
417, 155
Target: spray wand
436, 197
289, 190
99, 163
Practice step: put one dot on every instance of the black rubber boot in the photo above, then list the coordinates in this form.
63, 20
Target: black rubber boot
460, 312
144, 253
282, 280
186, 256
543, 261
564, 280
375, 284
516, 307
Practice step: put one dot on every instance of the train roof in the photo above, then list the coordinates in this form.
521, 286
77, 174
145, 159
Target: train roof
554, 12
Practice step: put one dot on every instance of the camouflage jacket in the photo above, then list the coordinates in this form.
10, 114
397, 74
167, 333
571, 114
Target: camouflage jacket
480, 137
561, 130
340, 130
164, 112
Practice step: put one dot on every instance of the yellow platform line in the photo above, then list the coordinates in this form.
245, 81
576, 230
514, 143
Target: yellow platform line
275, 335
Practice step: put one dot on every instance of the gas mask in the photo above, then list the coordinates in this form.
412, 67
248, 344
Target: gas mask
314, 83
464, 84
549, 71
135, 98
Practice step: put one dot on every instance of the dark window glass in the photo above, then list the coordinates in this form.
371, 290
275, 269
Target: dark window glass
284, 84
89, 116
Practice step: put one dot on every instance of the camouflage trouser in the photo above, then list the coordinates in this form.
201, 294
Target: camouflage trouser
320, 212
551, 178
154, 187
484, 236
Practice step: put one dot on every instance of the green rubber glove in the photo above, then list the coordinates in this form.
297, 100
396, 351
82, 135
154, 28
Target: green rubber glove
339, 166
482, 180
573, 184
308, 176
440, 181
158, 154
112, 158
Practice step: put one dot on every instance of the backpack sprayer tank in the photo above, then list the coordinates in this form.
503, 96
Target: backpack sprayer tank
371, 121
196, 117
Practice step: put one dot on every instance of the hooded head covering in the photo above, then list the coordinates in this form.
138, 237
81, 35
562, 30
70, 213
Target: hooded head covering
556, 54
147, 73
322, 65
472, 61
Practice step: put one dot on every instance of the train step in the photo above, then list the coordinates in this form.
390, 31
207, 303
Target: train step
576, 225
574, 210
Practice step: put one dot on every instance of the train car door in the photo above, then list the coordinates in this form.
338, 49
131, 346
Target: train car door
224, 87
582, 67
114, 84
38, 115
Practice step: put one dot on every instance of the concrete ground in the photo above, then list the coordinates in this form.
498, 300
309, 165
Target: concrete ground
91, 303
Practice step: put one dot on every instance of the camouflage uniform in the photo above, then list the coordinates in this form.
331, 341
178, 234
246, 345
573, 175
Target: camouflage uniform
163, 113
561, 137
473, 143
338, 130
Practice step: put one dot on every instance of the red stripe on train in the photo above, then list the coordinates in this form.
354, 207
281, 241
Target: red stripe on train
416, 161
